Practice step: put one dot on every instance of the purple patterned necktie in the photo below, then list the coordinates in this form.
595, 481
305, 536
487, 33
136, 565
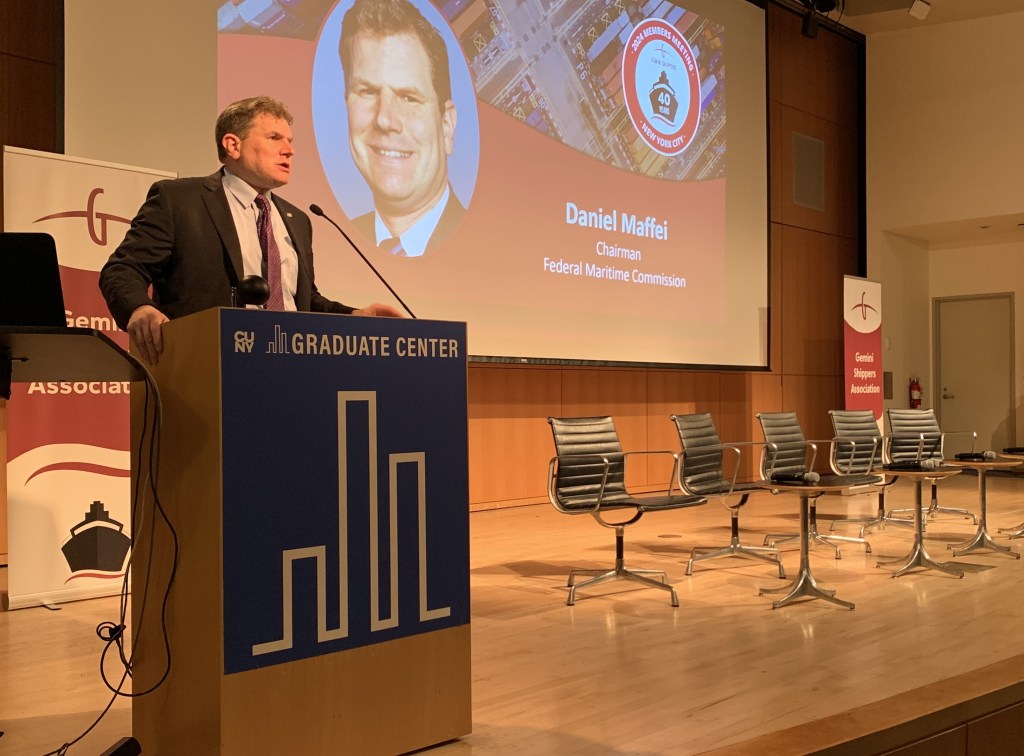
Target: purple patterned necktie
271, 254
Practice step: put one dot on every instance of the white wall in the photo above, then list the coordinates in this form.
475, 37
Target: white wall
905, 336
140, 83
944, 111
994, 268
945, 105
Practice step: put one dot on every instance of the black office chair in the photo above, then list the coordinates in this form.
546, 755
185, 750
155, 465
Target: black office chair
787, 457
914, 437
702, 472
857, 449
587, 476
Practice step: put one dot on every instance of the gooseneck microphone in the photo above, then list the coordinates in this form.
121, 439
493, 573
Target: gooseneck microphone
315, 209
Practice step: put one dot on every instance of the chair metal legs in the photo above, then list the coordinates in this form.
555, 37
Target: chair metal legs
815, 537
934, 508
881, 518
619, 572
735, 548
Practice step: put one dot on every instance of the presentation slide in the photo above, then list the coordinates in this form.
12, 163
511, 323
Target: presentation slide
578, 181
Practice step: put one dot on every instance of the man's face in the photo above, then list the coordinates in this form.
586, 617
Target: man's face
263, 159
399, 135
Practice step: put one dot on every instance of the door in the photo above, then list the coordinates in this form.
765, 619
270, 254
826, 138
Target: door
974, 371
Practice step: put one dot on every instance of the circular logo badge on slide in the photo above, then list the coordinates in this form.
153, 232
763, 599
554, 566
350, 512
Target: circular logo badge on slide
661, 85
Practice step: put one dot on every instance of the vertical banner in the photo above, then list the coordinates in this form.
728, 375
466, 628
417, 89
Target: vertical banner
68, 484
862, 338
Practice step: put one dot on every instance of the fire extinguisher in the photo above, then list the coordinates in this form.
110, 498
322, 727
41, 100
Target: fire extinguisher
915, 393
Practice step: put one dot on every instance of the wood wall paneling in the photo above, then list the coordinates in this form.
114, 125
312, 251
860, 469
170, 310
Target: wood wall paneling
842, 180
841, 214
815, 88
812, 75
29, 29
847, 251
778, 175
811, 397
775, 314
678, 392
509, 437
29, 114
843, 58
812, 331
950, 743
796, 74
995, 732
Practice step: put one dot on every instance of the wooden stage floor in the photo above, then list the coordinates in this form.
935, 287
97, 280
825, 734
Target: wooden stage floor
623, 672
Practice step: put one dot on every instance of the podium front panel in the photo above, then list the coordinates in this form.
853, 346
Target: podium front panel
345, 488
314, 469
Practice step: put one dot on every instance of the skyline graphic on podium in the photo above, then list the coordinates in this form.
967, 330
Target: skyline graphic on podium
345, 486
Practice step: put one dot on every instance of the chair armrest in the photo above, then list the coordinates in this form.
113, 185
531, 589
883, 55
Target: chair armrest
735, 448
853, 443
810, 450
674, 475
972, 434
813, 446
920, 438
738, 446
552, 470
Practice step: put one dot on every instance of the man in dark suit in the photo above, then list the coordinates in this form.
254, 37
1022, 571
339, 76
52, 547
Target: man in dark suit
195, 238
401, 124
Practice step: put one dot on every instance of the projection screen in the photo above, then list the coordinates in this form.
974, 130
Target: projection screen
606, 162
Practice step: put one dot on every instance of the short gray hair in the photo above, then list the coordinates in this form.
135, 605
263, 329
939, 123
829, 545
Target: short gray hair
237, 118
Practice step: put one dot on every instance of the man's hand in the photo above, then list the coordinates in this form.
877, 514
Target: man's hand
144, 329
379, 311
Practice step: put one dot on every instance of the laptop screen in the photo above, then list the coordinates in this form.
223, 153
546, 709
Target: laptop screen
30, 290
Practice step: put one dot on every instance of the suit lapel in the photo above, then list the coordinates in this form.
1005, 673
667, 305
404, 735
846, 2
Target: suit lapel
449, 221
217, 206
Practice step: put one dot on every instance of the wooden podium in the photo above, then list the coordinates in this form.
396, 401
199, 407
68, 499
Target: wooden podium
314, 469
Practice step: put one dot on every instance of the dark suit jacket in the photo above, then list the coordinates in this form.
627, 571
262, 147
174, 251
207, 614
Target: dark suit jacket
183, 242
450, 220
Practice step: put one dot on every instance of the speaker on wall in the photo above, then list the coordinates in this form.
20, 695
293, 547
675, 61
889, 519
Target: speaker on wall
808, 171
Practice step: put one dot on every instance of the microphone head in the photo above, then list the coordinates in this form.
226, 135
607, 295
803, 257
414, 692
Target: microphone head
315, 209
253, 290
811, 478
989, 455
930, 464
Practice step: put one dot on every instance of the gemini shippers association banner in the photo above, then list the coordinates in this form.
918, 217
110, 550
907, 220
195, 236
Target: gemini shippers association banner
862, 332
68, 469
